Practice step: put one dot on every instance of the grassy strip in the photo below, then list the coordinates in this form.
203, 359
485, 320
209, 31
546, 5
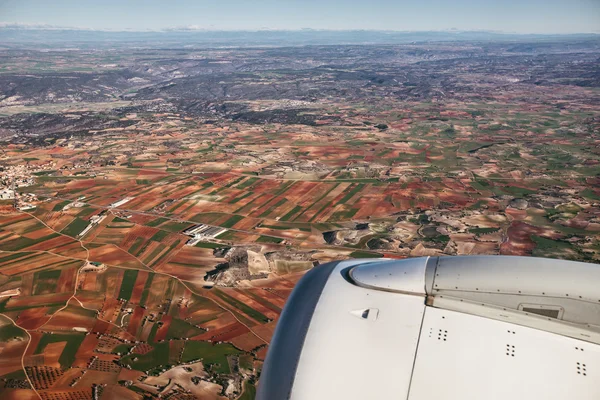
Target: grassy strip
242, 197
45, 281
249, 392
365, 254
60, 206
284, 188
154, 253
15, 256
175, 226
252, 313
300, 226
209, 245
166, 253
352, 192
318, 200
268, 239
156, 222
213, 356
137, 243
75, 227
127, 284
291, 213
146, 290
232, 221
23, 242
234, 182
271, 208
590, 194
227, 235
159, 236
344, 215
150, 361
181, 330
247, 183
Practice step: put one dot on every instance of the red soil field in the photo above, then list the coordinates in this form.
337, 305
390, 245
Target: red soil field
141, 219
261, 353
33, 317
41, 300
265, 331
70, 318
52, 353
135, 320
519, 239
101, 327
110, 309
229, 331
66, 282
93, 300
87, 280
161, 332
247, 341
86, 351
266, 185
112, 255
247, 224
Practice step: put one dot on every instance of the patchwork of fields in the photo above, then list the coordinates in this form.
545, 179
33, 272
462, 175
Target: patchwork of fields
153, 241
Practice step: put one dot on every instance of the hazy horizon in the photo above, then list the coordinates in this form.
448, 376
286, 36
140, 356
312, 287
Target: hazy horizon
510, 16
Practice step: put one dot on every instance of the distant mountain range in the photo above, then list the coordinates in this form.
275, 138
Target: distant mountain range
46, 35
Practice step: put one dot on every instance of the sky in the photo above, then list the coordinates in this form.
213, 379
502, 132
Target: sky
515, 16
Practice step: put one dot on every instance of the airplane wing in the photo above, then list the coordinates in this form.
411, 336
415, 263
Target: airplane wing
444, 328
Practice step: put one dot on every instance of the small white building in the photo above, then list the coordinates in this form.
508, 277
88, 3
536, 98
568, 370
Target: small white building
7, 194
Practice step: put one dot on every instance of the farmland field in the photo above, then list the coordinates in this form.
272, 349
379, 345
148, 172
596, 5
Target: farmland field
208, 179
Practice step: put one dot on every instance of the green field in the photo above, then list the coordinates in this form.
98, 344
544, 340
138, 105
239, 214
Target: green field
146, 289
137, 245
127, 284
68, 355
59, 206
214, 355
180, 330
159, 236
482, 231
174, 226
247, 183
209, 245
364, 254
232, 221
156, 222
240, 197
227, 235
75, 227
268, 239
158, 357
122, 349
14, 256
352, 192
291, 213
24, 242
9, 332
45, 281
249, 392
